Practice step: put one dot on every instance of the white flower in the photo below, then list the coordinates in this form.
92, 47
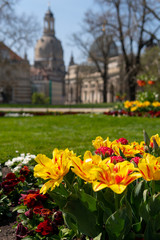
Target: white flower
17, 168
9, 163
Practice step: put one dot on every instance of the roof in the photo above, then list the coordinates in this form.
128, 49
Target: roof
10, 54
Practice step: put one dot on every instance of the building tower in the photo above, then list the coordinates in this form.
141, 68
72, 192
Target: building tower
49, 66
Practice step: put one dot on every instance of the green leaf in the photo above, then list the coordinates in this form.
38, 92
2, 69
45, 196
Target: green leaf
119, 223
149, 232
85, 218
98, 237
107, 197
137, 227
88, 200
144, 211
19, 207
58, 198
71, 222
121, 153
154, 205
61, 190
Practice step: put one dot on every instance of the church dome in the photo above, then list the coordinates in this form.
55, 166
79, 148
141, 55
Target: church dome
48, 49
103, 44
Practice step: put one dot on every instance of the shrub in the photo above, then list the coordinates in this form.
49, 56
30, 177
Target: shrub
39, 98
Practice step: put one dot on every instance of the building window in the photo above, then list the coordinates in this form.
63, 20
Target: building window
85, 96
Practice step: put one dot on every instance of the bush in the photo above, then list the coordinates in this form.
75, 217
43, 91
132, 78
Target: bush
147, 96
39, 98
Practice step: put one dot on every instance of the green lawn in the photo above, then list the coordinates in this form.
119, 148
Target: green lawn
41, 134
82, 105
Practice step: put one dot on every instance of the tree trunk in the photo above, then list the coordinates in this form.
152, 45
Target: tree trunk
105, 83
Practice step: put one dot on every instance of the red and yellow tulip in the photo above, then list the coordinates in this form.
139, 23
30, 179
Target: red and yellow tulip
116, 177
53, 169
83, 168
149, 166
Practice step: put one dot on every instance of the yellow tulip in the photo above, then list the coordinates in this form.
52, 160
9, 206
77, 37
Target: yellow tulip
83, 168
149, 166
156, 104
54, 169
116, 177
157, 138
100, 142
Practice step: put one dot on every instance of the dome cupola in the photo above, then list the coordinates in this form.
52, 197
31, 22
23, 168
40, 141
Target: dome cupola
49, 23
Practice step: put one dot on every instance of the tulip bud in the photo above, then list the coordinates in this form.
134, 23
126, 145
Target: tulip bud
155, 145
146, 138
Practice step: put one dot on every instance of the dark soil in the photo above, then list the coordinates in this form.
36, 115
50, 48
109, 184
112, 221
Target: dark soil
7, 232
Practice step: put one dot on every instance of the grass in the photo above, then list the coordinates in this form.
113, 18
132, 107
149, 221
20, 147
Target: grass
89, 105
41, 134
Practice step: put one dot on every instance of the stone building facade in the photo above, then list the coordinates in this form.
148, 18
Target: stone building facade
84, 83
48, 72
15, 83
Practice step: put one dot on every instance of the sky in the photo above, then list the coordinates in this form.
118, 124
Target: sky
68, 16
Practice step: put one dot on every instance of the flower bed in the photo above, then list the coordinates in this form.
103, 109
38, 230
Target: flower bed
138, 109
112, 193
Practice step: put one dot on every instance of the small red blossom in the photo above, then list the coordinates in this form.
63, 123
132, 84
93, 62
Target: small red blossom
136, 160
33, 200
58, 218
21, 178
24, 171
123, 141
105, 151
29, 213
45, 227
116, 159
141, 83
9, 182
37, 210
46, 212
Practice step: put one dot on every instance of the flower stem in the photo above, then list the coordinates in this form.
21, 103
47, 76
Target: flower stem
153, 187
116, 201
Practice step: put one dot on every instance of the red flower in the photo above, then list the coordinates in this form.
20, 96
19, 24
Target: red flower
141, 83
123, 141
105, 151
24, 171
45, 227
29, 213
135, 159
21, 178
46, 212
33, 200
10, 181
10, 176
150, 82
116, 159
21, 231
58, 218
37, 210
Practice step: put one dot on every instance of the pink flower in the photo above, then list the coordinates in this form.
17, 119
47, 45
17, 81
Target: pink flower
123, 141
116, 159
105, 151
135, 159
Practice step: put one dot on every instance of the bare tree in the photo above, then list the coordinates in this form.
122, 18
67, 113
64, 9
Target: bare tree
97, 46
18, 31
135, 25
